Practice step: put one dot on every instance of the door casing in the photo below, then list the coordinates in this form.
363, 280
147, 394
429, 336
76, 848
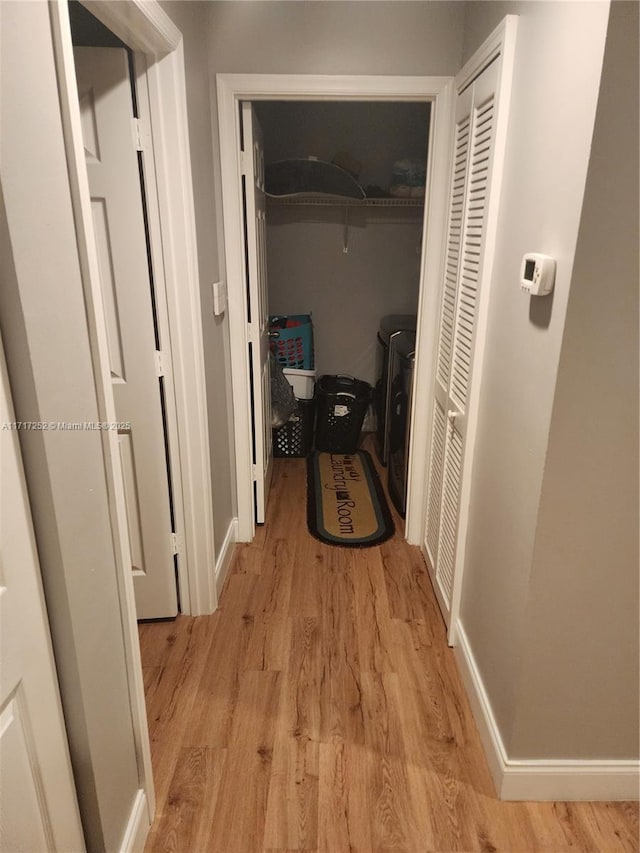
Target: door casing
231, 90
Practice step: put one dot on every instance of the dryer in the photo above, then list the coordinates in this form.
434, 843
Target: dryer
401, 371
390, 326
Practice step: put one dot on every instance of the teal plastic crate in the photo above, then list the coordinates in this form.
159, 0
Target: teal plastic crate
292, 345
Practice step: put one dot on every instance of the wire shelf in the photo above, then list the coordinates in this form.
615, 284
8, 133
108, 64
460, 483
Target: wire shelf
342, 201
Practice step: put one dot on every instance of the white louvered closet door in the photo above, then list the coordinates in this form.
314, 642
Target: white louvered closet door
473, 148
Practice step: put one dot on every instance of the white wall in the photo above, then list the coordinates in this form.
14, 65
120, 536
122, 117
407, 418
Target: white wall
44, 328
550, 130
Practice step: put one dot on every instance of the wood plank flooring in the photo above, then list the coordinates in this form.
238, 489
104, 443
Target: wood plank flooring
320, 709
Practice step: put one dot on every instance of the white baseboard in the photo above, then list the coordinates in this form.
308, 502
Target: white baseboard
482, 712
571, 780
138, 826
223, 562
542, 779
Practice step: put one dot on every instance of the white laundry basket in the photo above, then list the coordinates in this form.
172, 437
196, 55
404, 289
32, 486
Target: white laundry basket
302, 382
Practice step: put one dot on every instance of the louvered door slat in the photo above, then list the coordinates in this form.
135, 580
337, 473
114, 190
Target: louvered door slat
483, 126
434, 493
452, 263
452, 470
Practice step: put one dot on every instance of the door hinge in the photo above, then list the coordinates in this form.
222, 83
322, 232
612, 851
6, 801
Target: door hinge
162, 363
243, 163
254, 472
140, 134
173, 542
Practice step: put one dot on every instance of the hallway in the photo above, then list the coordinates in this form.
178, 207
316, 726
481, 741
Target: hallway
320, 709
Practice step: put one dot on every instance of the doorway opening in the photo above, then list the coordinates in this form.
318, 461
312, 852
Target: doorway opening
350, 262
268, 93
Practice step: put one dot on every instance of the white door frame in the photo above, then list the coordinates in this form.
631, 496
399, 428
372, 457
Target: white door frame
147, 30
234, 88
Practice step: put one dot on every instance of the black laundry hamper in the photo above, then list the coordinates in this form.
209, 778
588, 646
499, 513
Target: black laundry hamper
341, 404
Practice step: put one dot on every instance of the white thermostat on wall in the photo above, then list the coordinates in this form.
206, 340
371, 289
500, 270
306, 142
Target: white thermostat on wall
537, 274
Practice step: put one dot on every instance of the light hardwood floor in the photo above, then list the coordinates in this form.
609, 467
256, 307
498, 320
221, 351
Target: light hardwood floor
320, 709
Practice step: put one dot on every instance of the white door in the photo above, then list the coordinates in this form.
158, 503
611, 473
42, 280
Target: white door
109, 134
472, 166
258, 319
38, 807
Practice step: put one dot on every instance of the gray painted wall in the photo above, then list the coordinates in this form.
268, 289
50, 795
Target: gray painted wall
503, 610
191, 18
347, 294
44, 329
579, 689
311, 37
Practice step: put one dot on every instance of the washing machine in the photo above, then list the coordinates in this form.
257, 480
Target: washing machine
401, 371
390, 326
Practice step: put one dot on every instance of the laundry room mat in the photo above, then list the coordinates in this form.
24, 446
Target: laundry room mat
346, 505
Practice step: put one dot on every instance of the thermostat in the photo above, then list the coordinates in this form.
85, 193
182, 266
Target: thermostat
537, 274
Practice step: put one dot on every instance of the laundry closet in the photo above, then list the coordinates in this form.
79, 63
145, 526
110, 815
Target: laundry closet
353, 264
